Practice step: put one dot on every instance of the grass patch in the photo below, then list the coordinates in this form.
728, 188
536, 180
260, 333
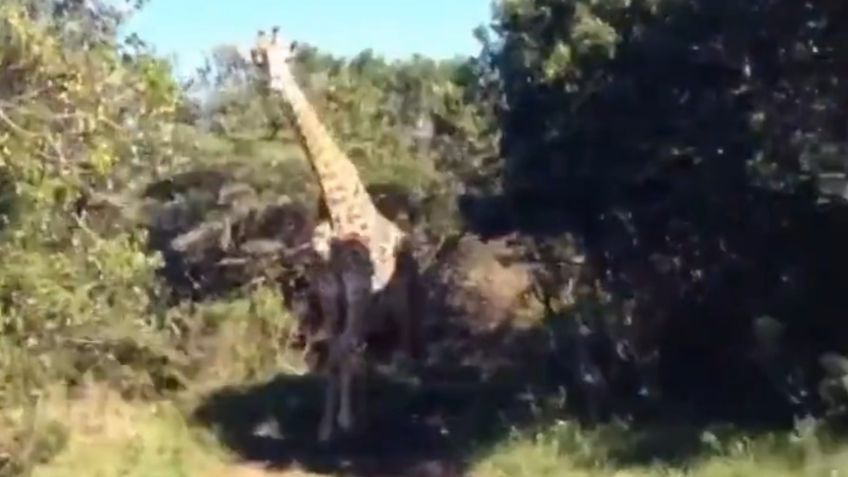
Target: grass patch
109, 436
99, 427
565, 449
96, 432
94, 429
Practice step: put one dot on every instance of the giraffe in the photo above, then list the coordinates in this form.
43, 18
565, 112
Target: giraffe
361, 246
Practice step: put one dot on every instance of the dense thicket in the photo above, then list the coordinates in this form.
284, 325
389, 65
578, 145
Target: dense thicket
696, 150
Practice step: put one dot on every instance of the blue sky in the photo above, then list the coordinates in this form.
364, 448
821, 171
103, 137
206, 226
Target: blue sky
393, 28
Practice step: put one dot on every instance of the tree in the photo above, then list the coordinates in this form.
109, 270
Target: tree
683, 142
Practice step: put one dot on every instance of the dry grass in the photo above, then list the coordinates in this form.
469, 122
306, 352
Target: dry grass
109, 436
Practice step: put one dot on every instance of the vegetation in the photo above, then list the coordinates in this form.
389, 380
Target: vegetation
671, 173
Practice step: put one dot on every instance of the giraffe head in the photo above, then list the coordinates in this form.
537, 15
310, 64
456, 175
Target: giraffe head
272, 54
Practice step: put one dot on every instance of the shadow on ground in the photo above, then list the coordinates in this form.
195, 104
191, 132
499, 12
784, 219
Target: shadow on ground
428, 425
433, 426
411, 431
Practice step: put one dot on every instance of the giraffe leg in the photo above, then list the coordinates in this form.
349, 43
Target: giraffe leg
405, 313
356, 281
346, 407
328, 297
399, 313
327, 287
331, 395
350, 367
337, 367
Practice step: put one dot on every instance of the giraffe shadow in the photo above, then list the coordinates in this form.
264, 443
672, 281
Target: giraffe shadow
438, 423
410, 428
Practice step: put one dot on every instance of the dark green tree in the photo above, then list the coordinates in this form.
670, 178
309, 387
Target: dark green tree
695, 148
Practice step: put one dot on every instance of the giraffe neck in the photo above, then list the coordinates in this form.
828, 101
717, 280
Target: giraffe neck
349, 205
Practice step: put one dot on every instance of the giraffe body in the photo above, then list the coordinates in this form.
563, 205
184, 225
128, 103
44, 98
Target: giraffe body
360, 245
352, 212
